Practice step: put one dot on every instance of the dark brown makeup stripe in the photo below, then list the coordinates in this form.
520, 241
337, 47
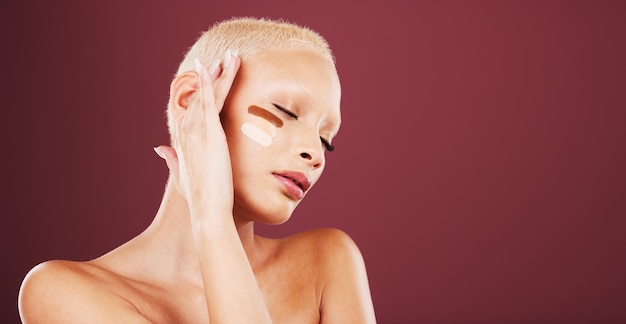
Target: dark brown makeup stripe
262, 113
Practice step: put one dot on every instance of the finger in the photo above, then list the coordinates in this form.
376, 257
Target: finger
171, 159
225, 81
215, 70
192, 117
201, 106
205, 85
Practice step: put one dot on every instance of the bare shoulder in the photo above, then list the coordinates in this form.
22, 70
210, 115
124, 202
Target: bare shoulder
334, 250
72, 292
327, 250
345, 296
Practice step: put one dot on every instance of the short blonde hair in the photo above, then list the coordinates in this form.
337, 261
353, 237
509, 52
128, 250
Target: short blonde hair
249, 36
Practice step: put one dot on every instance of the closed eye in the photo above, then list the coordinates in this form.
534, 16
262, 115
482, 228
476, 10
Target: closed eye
287, 112
327, 145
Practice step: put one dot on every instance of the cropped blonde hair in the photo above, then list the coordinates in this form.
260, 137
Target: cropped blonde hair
249, 36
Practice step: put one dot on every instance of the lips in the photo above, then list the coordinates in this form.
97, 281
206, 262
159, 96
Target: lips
296, 183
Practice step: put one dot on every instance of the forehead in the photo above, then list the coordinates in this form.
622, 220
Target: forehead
302, 78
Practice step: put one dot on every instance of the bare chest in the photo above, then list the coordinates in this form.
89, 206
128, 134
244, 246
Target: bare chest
290, 299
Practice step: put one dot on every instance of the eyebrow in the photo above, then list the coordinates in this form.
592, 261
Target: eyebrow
291, 114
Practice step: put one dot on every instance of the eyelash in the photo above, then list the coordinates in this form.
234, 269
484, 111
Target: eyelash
325, 142
287, 112
327, 145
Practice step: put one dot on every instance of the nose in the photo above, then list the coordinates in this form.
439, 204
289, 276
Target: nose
311, 152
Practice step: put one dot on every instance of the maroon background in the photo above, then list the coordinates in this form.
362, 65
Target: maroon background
480, 167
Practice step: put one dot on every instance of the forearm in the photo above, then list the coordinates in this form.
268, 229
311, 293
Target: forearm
232, 293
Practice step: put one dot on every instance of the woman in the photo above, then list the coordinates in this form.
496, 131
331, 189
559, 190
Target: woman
249, 135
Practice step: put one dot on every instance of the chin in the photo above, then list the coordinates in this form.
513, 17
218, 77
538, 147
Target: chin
264, 213
274, 217
274, 221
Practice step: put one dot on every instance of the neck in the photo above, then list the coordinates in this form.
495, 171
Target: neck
170, 236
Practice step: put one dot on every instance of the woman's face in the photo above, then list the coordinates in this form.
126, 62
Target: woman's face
282, 108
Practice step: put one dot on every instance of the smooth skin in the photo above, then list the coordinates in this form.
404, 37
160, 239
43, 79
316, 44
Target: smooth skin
200, 261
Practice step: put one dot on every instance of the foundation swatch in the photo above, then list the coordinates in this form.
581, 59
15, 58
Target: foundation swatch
256, 134
266, 115
262, 127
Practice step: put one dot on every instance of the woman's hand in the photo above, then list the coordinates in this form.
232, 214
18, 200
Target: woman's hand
200, 163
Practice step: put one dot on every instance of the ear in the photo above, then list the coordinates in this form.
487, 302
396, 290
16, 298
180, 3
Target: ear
182, 89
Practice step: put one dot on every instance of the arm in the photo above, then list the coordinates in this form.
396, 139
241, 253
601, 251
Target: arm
201, 168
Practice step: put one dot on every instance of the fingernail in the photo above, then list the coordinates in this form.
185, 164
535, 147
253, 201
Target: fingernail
158, 152
227, 59
214, 66
235, 53
198, 65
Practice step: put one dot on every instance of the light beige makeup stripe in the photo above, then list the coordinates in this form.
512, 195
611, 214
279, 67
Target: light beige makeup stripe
263, 127
256, 134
